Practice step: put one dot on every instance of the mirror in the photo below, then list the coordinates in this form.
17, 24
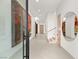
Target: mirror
70, 26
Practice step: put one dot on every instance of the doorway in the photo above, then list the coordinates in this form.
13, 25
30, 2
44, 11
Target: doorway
41, 29
36, 28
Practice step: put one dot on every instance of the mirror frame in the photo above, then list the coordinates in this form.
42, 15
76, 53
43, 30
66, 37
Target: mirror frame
65, 16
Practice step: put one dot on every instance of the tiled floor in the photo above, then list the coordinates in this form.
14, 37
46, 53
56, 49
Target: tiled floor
40, 49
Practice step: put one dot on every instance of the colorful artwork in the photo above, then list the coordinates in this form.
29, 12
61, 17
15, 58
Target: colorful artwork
29, 24
16, 23
17, 29
19, 23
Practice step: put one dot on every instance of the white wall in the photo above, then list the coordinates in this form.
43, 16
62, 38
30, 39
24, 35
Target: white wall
67, 6
32, 27
6, 50
5, 25
51, 22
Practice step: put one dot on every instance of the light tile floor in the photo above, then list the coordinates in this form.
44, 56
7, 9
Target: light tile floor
41, 49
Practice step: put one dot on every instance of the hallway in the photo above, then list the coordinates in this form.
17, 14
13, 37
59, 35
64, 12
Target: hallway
41, 49
55, 21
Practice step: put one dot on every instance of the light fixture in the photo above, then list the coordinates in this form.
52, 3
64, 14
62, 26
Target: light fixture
36, 18
37, 0
64, 19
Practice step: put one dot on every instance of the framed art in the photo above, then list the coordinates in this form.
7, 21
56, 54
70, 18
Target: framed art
17, 18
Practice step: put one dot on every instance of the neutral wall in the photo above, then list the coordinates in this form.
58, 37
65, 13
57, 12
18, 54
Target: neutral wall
64, 7
5, 25
5, 22
6, 50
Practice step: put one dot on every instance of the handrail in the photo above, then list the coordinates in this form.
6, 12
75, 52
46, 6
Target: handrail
51, 29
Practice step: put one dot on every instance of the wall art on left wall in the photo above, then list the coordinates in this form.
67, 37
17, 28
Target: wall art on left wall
17, 18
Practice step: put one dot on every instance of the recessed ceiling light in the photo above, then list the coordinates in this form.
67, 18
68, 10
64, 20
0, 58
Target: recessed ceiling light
64, 19
36, 18
37, 0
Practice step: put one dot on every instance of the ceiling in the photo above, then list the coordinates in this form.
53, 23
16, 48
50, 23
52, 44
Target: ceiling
41, 8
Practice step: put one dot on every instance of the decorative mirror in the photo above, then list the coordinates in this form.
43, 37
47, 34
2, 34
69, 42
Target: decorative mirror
70, 26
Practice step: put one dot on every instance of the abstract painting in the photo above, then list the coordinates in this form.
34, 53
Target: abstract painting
17, 17
29, 25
